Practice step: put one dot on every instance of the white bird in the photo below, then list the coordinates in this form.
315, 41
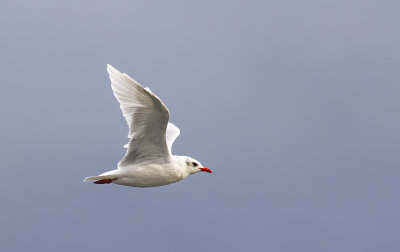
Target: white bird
148, 160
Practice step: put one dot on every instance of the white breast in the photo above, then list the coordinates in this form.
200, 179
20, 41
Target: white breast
151, 175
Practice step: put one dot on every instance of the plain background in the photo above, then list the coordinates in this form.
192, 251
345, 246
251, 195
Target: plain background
293, 104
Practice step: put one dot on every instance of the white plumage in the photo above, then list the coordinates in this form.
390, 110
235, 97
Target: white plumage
148, 160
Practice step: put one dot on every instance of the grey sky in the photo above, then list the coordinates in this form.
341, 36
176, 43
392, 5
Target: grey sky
293, 104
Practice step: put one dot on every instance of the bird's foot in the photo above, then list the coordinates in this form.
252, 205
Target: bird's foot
105, 181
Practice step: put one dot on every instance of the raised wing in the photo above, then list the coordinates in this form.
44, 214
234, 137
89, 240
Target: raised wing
147, 118
172, 133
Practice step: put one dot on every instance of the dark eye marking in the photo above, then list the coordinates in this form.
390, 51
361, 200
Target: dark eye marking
194, 164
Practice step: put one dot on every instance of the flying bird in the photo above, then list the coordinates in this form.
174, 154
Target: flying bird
148, 161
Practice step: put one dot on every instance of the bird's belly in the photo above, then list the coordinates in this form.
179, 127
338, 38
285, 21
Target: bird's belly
143, 181
148, 177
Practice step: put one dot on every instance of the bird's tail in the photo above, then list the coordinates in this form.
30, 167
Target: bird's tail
87, 179
104, 178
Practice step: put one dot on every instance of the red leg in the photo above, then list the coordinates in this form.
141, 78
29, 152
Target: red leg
105, 181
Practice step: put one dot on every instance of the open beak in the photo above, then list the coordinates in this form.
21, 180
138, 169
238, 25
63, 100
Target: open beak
206, 170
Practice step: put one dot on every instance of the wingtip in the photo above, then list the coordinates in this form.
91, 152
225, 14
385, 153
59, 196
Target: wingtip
112, 70
110, 67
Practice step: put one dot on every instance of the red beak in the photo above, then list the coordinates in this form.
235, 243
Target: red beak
206, 170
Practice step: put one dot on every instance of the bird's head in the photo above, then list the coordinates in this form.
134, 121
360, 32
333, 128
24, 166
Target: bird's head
194, 166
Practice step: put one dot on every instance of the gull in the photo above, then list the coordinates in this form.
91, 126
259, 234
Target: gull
148, 161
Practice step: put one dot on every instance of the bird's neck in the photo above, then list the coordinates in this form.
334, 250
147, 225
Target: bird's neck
180, 165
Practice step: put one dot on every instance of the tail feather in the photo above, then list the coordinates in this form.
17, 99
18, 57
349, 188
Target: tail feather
106, 179
106, 175
94, 178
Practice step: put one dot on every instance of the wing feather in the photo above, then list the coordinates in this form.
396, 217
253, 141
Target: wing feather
172, 133
147, 118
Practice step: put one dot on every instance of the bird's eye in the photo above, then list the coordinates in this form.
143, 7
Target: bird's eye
194, 164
